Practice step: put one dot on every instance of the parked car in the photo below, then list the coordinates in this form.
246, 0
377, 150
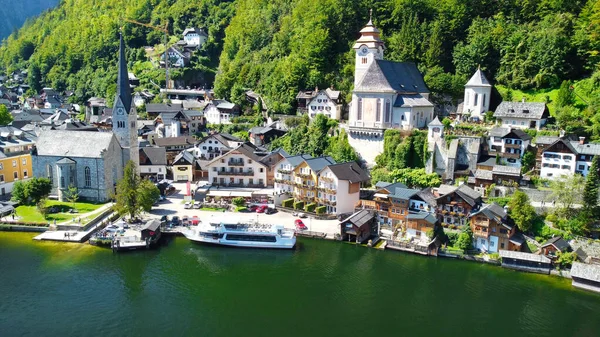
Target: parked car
185, 220
301, 215
194, 221
175, 221
252, 208
270, 210
164, 219
197, 205
300, 225
261, 209
187, 205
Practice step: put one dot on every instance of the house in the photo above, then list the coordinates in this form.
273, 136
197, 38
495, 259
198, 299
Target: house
509, 144
455, 204
327, 102
541, 144
240, 167
304, 179
90, 161
186, 167
478, 92
586, 276
526, 262
220, 112
180, 95
155, 109
261, 136
565, 157
522, 115
15, 158
272, 159
51, 98
284, 175
142, 97
151, 231
172, 124
194, 37
554, 246
153, 163
386, 95
178, 58
215, 145
338, 187
174, 145
359, 227
492, 231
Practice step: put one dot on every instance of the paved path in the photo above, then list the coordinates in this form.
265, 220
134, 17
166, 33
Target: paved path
73, 235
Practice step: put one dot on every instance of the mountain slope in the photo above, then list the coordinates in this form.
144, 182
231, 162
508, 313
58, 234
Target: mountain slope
14, 13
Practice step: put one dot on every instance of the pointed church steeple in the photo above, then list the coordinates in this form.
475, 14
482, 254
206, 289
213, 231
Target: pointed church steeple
123, 88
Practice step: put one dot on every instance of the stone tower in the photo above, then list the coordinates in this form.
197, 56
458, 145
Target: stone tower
368, 47
478, 92
124, 117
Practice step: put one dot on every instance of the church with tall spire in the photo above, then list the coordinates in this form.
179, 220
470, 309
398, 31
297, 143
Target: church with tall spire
386, 95
124, 118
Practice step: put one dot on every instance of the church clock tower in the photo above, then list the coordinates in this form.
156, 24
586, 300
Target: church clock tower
368, 47
124, 118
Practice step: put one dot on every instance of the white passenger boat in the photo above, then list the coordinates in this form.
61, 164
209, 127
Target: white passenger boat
249, 235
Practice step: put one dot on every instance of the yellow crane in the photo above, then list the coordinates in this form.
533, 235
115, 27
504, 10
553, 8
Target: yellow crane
164, 29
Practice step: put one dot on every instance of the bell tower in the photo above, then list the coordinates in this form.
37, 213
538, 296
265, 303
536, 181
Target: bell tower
124, 118
368, 47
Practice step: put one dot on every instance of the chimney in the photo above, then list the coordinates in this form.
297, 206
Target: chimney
523, 100
581, 140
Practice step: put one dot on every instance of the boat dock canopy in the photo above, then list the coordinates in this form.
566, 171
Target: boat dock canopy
152, 225
584, 271
524, 256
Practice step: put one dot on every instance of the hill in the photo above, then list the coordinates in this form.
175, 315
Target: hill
14, 13
277, 47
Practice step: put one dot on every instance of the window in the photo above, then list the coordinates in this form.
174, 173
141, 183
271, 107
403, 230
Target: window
1, 166
476, 97
16, 175
483, 100
222, 161
581, 167
25, 174
359, 110
388, 111
249, 161
378, 110
566, 167
14, 163
1, 178
24, 162
363, 60
491, 243
49, 173
501, 245
87, 176
214, 169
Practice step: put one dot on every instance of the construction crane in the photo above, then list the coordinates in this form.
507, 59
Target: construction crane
164, 29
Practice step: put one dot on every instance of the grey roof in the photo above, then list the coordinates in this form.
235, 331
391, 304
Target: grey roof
507, 170
435, 122
427, 196
171, 141
403, 193
160, 107
524, 256
384, 75
350, 171
557, 242
422, 216
152, 225
444, 189
589, 149
468, 194
67, 143
183, 157
499, 132
492, 211
297, 160
586, 271
317, 164
226, 105
154, 155
527, 110
360, 218
546, 140
196, 30
123, 88
249, 151
478, 80
411, 100
191, 104
390, 187
517, 134
483, 174
517, 239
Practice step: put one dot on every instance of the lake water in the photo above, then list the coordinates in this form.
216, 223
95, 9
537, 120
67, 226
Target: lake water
322, 288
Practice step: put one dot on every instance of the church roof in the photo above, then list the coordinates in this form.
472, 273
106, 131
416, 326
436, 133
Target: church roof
123, 88
411, 101
435, 122
478, 80
66, 143
402, 77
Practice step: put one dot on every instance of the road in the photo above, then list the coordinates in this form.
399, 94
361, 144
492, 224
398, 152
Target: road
174, 205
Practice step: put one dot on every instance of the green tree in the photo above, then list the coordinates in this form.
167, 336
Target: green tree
528, 161
38, 189
72, 194
340, 150
126, 200
239, 201
565, 191
18, 192
5, 116
566, 259
465, 239
146, 195
416, 178
565, 96
521, 211
592, 184
318, 139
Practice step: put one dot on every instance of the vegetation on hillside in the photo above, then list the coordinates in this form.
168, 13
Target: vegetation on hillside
14, 13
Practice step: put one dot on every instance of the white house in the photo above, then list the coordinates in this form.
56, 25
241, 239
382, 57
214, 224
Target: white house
220, 112
509, 144
215, 145
565, 157
240, 167
177, 58
153, 162
386, 95
326, 102
522, 115
339, 187
194, 37
478, 92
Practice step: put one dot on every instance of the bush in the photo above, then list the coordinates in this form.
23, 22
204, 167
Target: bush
310, 207
452, 238
321, 210
241, 209
495, 256
566, 259
299, 205
289, 203
430, 233
239, 201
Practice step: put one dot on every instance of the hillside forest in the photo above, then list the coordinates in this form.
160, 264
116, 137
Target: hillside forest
277, 47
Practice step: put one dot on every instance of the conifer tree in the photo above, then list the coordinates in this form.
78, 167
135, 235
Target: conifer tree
592, 183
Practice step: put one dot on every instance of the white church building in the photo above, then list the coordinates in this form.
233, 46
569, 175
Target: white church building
478, 92
387, 95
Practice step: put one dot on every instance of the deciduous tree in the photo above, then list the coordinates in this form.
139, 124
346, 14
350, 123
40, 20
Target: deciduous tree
521, 210
134, 195
5, 116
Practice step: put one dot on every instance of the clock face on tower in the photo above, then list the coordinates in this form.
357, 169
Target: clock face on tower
120, 111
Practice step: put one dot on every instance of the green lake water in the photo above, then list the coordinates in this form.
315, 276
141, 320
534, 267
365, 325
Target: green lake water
322, 288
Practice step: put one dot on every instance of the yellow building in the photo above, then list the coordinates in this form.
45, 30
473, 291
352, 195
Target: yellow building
15, 158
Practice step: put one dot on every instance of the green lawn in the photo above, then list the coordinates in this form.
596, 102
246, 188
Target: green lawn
31, 214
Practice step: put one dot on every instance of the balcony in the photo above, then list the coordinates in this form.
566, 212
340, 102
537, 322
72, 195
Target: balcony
284, 171
235, 163
325, 202
510, 155
236, 173
512, 146
366, 204
326, 179
303, 175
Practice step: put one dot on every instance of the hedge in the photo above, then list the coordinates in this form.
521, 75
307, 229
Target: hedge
310, 207
321, 209
288, 203
299, 205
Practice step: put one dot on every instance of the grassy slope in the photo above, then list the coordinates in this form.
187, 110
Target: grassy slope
31, 214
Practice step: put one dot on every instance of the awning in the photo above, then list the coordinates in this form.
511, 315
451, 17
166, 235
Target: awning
241, 194
218, 193
264, 191
380, 195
